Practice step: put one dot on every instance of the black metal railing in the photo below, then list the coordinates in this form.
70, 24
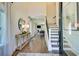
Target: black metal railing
47, 27
60, 30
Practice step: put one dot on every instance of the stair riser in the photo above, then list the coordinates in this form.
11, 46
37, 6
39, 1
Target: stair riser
55, 51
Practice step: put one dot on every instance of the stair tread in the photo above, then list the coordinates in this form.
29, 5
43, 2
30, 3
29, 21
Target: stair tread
53, 31
55, 48
54, 37
54, 41
55, 45
66, 46
67, 49
53, 34
65, 41
55, 51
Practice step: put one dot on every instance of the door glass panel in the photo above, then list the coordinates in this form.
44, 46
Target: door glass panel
2, 26
70, 29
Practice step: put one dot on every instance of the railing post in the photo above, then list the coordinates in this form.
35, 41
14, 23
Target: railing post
60, 30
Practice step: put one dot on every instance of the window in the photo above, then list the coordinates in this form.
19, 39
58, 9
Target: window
2, 26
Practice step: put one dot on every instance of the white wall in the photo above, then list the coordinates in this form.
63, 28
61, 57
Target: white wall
71, 36
39, 20
22, 10
51, 12
73, 40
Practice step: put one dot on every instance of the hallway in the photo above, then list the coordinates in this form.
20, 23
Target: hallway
20, 21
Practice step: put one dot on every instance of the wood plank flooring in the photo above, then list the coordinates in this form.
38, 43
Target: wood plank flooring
36, 45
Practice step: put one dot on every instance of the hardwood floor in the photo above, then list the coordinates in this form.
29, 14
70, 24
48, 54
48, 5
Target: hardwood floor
36, 45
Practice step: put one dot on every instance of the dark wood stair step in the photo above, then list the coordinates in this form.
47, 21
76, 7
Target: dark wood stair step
55, 45
55, 51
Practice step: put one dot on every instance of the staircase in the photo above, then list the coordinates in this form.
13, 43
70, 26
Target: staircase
53, 44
